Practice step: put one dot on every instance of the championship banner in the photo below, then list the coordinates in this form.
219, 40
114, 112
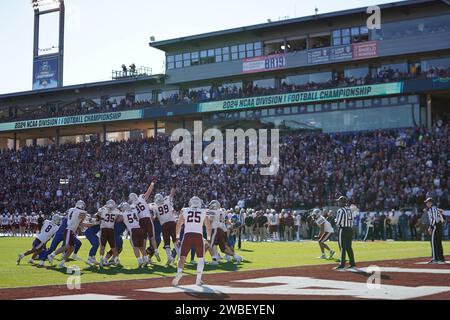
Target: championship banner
265, 63
304, 97
46, 73
72, 120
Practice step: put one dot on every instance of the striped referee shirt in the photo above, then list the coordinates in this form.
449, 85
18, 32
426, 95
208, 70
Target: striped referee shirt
344, 218
435, 217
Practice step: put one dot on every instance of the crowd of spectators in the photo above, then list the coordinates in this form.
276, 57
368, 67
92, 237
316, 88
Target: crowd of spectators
221, 93
377, 170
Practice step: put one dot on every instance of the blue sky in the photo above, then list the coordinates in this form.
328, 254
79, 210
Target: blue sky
102, 34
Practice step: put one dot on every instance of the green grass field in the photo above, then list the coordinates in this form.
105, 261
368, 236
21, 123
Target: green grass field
256, 256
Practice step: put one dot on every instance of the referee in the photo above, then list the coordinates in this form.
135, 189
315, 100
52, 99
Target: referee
435, 231
344, 222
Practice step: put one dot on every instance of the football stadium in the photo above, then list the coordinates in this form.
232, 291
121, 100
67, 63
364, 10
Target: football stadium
133, 188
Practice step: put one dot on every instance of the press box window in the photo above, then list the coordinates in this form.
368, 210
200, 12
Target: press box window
178, 61
186, 59
170, 62
195, 59
226, 54
234, 53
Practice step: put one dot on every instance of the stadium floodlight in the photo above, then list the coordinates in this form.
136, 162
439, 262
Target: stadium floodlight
44, 5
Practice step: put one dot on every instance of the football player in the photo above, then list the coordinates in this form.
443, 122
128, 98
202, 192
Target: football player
129, 216
193, 219
219, 233
108, 215
326, 230
51, 253
48, 230
74, 218
163, 208
145, 216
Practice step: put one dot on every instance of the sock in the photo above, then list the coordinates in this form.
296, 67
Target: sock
200, 265
156, 252
168, 252
139, 260
179, 270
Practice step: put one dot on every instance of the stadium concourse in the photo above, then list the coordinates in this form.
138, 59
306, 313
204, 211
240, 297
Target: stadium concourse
378, 171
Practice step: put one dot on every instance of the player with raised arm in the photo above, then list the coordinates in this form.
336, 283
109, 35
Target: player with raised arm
219, 233
163, 208
145, 216
326, 230
74, 217
129, 217
48, 230
193, 218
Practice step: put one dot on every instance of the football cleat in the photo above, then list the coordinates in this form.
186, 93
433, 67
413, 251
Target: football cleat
50, 258
227, 258
31, 261
323, 256
62, 264
331, 254
176, 279
89, 262
339, 268
441, 262
199, 283
170, 261
75, 257
214, 263
433, 262
238, 258
41, 263
157, 256
19, 258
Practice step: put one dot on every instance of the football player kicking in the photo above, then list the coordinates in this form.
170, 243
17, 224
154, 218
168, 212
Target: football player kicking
193, 218
163, 208
326, 230
74, 218
129, 216
219, 233
48, 230
145, 217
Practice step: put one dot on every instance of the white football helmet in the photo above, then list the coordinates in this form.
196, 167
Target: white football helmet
133, 198
195, 202
214, 205
316, 213
159, 198
111, 204
124, 206
56, 218
80, 205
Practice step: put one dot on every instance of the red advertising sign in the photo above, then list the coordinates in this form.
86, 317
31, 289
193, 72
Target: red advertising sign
264, 63
365, 50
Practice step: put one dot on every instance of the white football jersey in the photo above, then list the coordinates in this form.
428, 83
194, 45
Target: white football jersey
73, 218
33, 219
164, 211
5, 220
108, 218
218, 219
47, 231
143, 208
327, 225
193, 219
130, 219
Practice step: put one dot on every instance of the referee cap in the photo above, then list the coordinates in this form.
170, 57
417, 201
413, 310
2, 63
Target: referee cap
429, 199
341, 198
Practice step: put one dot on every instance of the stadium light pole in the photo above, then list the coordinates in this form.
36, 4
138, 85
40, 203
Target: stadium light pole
42, 7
